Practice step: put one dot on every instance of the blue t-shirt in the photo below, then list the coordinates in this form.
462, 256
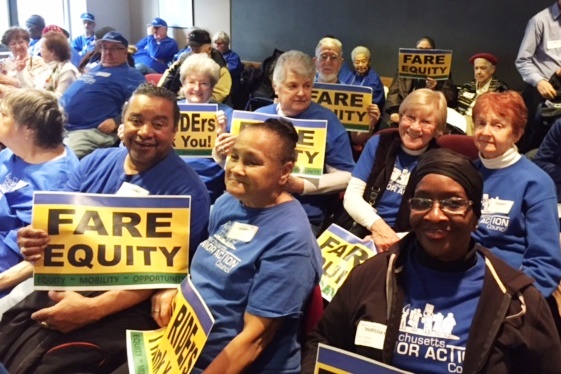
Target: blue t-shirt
338, 154
83, 44
103, 172
210, 172
18, 180
438, 310
269, 275
388, 205
519, 221
99, 95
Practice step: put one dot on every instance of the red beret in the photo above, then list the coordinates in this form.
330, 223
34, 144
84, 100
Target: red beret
55, 28
487, 56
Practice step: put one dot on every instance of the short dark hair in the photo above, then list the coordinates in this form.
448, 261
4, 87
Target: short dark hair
285, 131
13, 33
150, 90
39, 111
58, 44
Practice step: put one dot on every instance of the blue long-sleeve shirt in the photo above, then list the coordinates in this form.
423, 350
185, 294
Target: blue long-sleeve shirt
155, 54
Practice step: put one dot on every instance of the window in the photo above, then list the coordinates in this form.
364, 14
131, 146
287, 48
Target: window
52, 11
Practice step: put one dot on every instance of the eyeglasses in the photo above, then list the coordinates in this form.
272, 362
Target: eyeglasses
328, 57
201, 84
16, 43
411, 119
453, 205
112, 49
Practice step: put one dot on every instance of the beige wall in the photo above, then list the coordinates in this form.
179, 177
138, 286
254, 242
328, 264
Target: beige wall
130, 17
114, 13
213, 15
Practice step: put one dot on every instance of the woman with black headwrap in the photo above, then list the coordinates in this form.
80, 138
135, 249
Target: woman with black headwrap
436, 302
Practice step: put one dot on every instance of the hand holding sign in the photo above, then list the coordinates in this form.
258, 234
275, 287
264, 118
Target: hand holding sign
32, 243
162, 306
430, 83
222, 122
223, 146
383, 235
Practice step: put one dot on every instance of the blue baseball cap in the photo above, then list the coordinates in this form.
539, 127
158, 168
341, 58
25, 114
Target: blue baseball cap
87, 17
115, 37
158, 22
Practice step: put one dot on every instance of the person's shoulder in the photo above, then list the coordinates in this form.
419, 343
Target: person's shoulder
317, 111
181, 171
268, 109
104, 155
514, 279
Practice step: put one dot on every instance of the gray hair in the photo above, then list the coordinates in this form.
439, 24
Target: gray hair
429, 99
200, 63
39, 111
298, 62
331, 42
221, 35
360, 50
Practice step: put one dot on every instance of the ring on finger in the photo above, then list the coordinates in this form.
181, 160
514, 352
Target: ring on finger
44, 324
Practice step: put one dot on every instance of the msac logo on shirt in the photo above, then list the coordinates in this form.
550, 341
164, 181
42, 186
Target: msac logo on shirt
426, 337
220, 246
11, 184
494, 213
398, 180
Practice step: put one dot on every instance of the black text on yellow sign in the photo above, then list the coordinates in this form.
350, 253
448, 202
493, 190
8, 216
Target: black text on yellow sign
422, 63
197, 130
310, 149
341, 252
176, 348
133, 241
349, 103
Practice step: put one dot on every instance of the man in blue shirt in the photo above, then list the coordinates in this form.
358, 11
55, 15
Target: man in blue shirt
93, 103
155, 51
93, 324
85, 43
35, 25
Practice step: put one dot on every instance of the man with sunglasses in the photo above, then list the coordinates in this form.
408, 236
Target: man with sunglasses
437, 302
93, 102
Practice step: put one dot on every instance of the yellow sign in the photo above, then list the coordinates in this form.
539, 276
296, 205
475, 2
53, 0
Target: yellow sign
312, 137
422, 63
341, 252
349, 103
331, 360
176, 348
101, 242
197, 130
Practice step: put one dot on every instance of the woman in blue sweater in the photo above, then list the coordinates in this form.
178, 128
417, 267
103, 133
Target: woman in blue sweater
519, 221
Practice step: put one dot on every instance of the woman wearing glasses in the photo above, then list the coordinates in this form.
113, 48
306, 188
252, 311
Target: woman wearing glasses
19, 61
519, 221
437, 302
373, 198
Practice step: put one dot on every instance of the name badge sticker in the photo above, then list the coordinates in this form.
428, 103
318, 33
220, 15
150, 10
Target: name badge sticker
242, 232
552, 44
500, 206
370, 334
129, 189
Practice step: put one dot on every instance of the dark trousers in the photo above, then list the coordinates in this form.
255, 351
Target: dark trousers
100, 347
536, 128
